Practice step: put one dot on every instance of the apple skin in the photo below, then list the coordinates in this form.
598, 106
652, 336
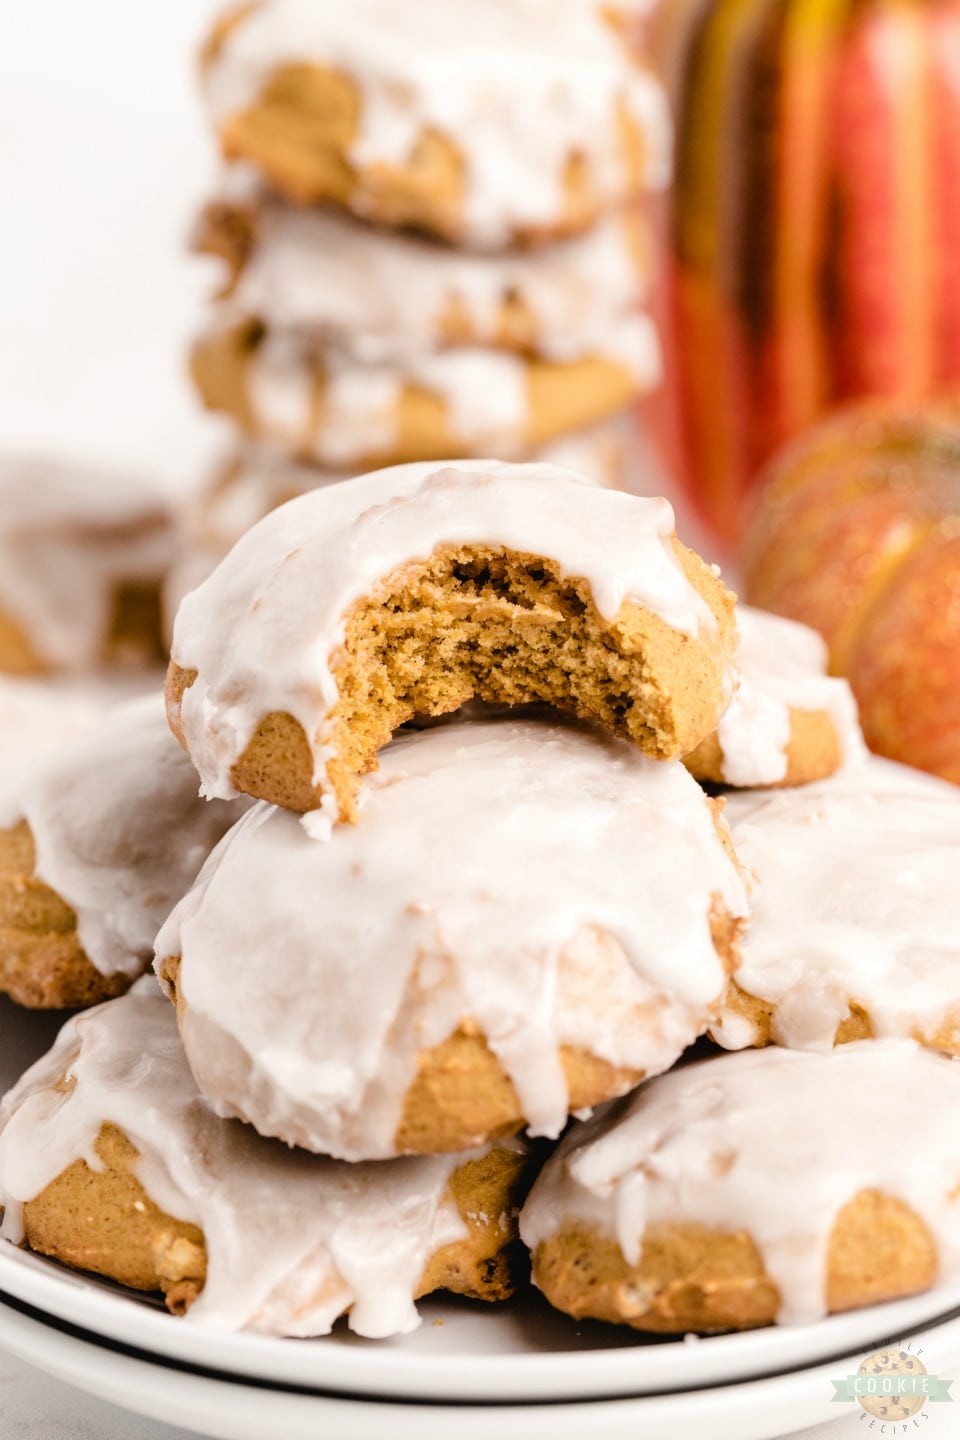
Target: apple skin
826, 563
857, 532
905, 668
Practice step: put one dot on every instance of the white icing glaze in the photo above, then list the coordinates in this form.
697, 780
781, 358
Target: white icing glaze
518, 88
485, 392
291, 1240
262, 630
772, 1142
857, 901
382, 298
37, 717
550, 884
68, 536
259, 480
255, 482
119, 829
782, 667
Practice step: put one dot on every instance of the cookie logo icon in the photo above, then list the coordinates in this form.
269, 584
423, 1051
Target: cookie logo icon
892, 1386
886, 1401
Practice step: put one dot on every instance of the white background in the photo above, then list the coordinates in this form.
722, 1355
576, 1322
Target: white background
103, 154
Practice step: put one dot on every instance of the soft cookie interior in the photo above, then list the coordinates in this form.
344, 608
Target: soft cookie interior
486, 623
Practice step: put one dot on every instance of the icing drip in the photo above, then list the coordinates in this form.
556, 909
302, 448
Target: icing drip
291, 1240
68, 538
262, 630
857, 902
555, 889
772, 1142
485, 392
517, 88
120, 831
782, 667
382, 298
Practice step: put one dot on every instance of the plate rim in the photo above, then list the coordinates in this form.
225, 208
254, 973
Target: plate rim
752, 1410
67, 1298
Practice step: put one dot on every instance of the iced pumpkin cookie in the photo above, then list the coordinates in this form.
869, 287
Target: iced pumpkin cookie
327, 408
790, 722
381, 297
483, 122
855, 926
753, 1188
535, 916
256, 480
82, 557
111, 1162
350, 610
97, 843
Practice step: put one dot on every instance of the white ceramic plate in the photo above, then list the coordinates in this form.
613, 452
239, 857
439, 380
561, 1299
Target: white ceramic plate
522, 1351
467, 1356
234, 1410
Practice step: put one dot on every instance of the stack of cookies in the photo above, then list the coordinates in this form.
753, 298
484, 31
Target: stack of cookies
472, 890
431, 230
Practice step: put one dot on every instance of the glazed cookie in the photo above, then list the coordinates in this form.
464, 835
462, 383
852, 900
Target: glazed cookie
111, 1162
39, 716
855, 926
555, 921
484, 122
241, 491
380, 297
790, 722
322, 406
82, 556
256, 480
754, 1188
97, 844
409, 591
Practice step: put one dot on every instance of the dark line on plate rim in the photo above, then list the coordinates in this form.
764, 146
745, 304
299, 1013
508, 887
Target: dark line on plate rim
160, 1362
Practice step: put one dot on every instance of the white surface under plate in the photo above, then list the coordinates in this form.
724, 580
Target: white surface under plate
467, 1360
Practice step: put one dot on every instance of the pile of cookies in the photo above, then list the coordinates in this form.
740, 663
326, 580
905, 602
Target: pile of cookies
469, 891
433, 244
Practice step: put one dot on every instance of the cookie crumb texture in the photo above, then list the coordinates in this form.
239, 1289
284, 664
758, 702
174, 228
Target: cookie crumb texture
476, 622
